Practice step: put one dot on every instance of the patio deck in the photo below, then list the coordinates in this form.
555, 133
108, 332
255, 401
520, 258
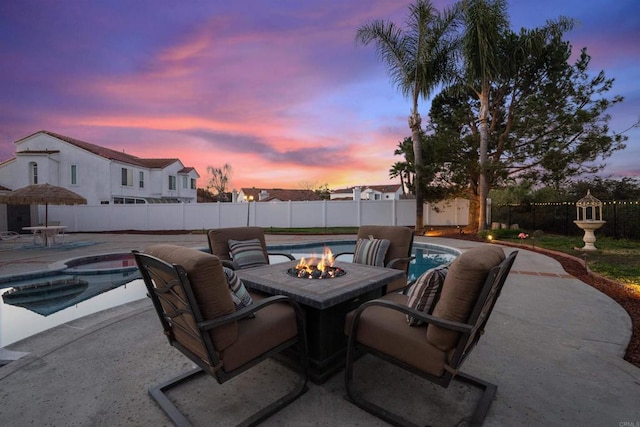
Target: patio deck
553, 346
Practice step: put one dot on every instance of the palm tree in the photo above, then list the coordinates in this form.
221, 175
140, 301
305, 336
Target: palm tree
485, 24
418, 58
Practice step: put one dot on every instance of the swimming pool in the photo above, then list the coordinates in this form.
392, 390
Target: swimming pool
75, 288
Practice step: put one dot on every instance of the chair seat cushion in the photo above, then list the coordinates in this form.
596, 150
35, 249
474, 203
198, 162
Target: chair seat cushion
271, 326
371, 251
397, 284
465, 279
424, 294
386, 330
247, 253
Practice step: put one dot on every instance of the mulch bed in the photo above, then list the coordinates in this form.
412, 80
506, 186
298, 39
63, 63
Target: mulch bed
623, 295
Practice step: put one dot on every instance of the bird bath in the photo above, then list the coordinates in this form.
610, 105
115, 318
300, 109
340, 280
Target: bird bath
589, 219
589, 237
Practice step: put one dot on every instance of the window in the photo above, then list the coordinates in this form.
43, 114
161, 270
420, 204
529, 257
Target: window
141, 179
185, 182
74, 174
193, 183
127, 177
33, 172
127, 201
172, 182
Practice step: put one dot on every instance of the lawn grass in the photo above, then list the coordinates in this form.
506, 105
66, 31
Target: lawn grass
616, 259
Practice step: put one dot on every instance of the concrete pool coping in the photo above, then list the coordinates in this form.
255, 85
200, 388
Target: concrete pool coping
554, 346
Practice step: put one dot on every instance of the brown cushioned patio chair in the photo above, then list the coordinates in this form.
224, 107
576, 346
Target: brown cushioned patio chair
398, 254
219, 244
437, 350
191, 296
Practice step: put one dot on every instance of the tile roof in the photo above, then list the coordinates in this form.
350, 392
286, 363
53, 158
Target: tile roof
381, 188
188, 169
110, 154
384, 188
281, 194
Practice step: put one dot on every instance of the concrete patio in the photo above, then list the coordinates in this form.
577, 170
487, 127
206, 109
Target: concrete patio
554, 347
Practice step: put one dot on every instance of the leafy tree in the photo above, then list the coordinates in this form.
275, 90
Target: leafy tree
323, 191
545, 120
605, 189
436, 184
418, 59
220, 178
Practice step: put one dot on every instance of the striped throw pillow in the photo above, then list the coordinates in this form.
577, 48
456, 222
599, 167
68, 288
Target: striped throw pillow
424, 294
371, 251
247, 253
239, 294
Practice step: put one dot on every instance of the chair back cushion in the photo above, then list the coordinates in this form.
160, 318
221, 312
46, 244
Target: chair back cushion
400, 238
465, 279
209, 286
219, 240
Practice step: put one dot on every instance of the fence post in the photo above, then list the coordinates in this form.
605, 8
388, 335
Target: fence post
533, 211
615, 220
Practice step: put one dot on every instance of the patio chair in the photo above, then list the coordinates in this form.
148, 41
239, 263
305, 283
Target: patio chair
437, 350
397, 255
9, 235
241, 247
192, 298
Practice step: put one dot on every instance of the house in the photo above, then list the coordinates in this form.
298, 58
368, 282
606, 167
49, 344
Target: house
101, 175
368, 192
276, 194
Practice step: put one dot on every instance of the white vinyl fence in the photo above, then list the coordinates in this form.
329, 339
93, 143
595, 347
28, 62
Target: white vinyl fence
154, 217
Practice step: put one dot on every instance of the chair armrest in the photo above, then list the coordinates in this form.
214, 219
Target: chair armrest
395, 261
248, 311
427, 318
342, 253
291, 257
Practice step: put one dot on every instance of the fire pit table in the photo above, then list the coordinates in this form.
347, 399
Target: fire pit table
325, 301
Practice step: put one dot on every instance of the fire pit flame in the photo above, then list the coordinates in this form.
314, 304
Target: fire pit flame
314, 268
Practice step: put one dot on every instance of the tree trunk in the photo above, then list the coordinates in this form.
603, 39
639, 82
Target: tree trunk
483, 185
414, 124
474, 207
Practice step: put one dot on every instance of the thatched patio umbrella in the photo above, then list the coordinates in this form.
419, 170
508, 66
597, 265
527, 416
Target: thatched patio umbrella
43, 194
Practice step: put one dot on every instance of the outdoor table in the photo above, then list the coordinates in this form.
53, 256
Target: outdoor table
48, 232
326, 303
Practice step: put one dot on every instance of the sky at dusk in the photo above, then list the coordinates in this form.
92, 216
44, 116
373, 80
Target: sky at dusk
276, 88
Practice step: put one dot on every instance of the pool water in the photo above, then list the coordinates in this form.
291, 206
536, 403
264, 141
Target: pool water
33, 304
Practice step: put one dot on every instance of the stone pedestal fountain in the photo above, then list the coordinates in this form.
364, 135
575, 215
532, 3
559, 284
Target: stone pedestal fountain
589, 219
